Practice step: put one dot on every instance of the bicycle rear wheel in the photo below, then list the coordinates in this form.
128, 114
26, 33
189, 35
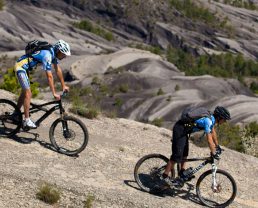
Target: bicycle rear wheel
148, 170
69, 135
225, 191
10, 118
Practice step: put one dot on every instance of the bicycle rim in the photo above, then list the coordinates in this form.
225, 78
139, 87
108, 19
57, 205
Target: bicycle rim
10, 123
148, 170
69, 135
225, 191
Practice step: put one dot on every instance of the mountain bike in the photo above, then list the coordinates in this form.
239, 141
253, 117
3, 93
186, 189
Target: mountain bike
214, 188
67, 134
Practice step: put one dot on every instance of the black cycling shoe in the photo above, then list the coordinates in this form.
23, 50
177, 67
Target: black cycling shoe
189, 178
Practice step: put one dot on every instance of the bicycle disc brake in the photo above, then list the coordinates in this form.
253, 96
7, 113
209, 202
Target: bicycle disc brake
217, 189
154, 172
69, 134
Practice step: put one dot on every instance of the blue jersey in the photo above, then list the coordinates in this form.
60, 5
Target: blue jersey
205, 124
45, 57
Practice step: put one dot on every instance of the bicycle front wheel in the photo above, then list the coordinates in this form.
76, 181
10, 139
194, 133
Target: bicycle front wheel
148, 170
69, 135
10, 118
222, 194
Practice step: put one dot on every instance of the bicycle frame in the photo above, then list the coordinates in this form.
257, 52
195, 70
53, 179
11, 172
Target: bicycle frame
207, 160
36, 108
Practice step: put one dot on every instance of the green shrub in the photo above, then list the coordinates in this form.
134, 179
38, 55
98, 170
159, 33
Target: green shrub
241, 3
96, 81
2, 3
110, 113
254, 87
11, 84
177, 87
123, 88
193, 11
160, 92
169, 98
157, 122
85, 91
104, 89
223, 65
118, 102
89, 201
153, 49
88, 26
251, 129
231, 136
85, 111
48, 194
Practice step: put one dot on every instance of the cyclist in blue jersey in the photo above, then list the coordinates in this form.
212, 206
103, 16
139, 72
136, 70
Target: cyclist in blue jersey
180, 143
47, 58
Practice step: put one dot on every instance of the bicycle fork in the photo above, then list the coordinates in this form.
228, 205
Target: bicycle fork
214, 186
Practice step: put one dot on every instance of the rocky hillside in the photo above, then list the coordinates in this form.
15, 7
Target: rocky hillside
105, 168
155, 88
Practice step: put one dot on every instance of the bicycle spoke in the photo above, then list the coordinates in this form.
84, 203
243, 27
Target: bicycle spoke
9, 122
220, 194
70, 138
69, 135
148, 172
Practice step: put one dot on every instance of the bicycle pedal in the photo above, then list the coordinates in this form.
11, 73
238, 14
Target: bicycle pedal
25, 128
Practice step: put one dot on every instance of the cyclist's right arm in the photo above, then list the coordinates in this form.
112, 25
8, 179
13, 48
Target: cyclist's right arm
51, 84
211, 143
47, 67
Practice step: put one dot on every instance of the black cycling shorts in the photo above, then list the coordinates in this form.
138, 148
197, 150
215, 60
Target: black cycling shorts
180, 143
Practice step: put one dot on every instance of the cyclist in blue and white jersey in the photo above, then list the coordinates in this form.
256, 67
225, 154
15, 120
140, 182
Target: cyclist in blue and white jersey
47, 58
180, 142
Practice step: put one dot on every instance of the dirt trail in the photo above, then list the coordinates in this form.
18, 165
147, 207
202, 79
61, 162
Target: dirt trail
105, 168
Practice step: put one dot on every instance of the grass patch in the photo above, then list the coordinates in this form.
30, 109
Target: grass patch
118, 102
157, 122
2, 4
177, 87
153, 49
96, 81
48, 193
123, 88
85, 111
160, 92
254, 87
193, 11
93, 28
89, 201
223, 65
11, 84
247, 4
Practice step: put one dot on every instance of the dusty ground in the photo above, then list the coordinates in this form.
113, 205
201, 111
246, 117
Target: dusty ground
105, 168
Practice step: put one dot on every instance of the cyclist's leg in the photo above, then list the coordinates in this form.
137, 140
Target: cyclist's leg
21, 99
185, 154
25, 95
178, 146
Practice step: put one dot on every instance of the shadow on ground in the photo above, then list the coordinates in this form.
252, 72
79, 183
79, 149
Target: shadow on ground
184, 193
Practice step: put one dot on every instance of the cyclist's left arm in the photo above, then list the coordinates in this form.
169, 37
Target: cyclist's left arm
59, 74
209, 130
214, 136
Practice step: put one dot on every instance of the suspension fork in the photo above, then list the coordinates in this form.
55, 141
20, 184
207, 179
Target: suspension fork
62, 115
214, 181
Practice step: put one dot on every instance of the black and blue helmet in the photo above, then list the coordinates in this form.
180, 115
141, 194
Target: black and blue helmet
221, 112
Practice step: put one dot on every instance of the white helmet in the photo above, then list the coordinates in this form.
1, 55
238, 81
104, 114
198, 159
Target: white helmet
63, 47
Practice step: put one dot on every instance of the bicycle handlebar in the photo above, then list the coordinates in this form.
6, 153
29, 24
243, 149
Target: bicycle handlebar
64, 94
